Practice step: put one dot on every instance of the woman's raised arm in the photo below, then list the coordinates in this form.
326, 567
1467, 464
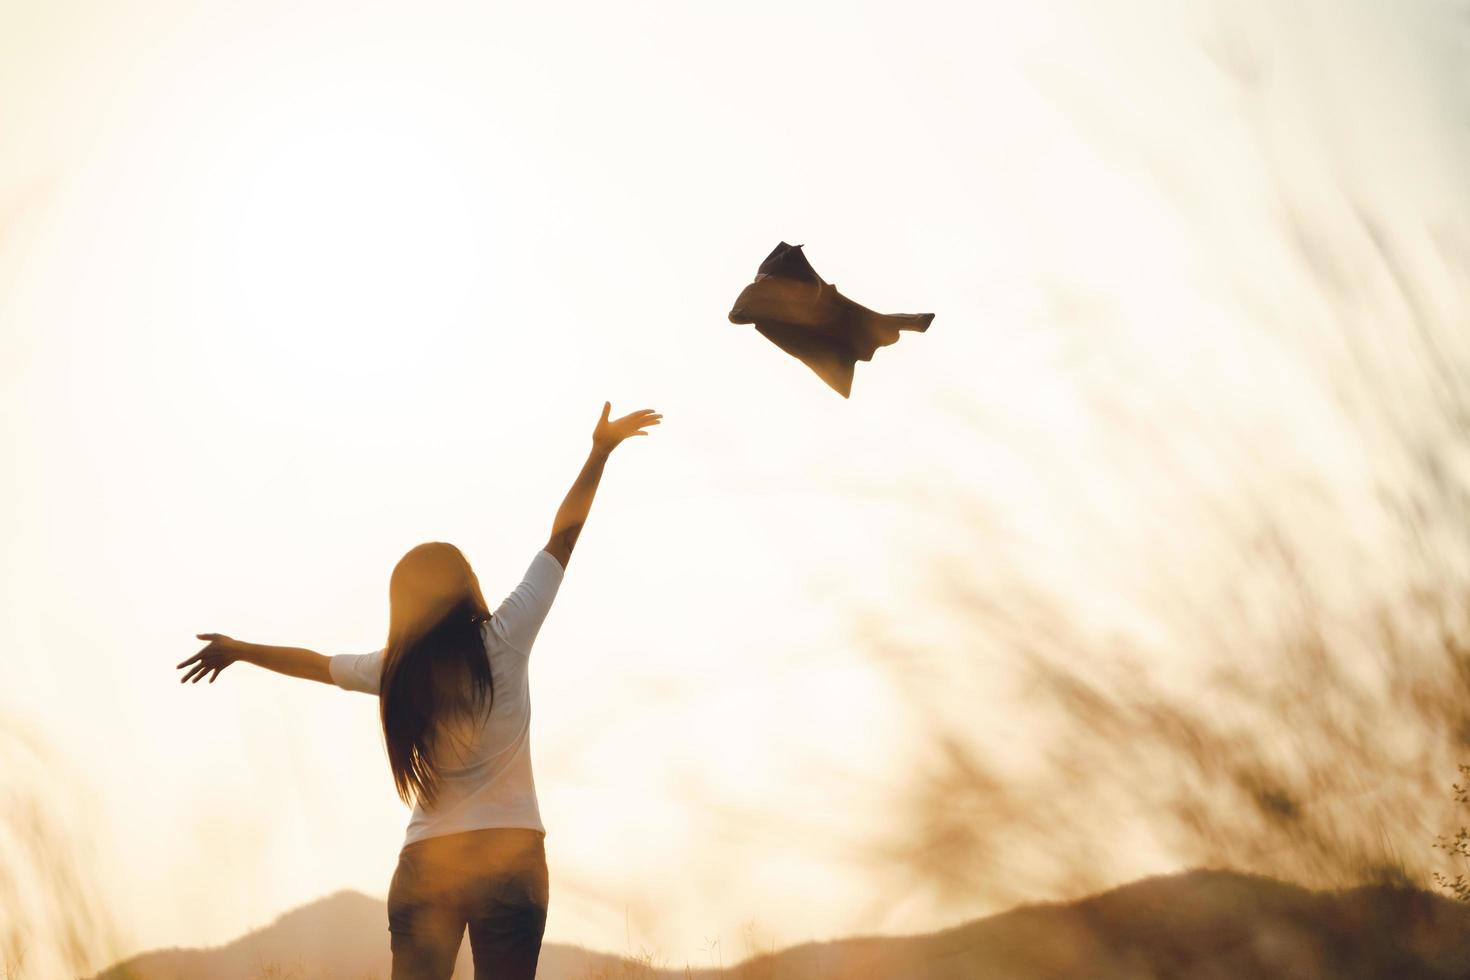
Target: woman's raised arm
573, 511
222, 651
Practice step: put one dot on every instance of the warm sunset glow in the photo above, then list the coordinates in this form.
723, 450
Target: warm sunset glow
287, 290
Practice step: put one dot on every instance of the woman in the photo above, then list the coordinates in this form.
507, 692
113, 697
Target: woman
455, 707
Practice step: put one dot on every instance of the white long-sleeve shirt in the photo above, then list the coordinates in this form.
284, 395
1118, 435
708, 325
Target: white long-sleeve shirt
484, 764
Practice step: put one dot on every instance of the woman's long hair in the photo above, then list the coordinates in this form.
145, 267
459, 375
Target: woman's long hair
435, 664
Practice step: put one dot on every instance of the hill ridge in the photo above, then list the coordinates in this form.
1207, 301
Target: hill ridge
1204, 923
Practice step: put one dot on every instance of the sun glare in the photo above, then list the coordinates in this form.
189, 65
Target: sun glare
331, 221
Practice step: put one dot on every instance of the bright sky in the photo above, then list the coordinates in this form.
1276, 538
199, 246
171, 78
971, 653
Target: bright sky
286, 289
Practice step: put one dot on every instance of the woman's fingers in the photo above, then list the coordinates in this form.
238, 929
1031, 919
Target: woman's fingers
628, 425
201, 668
207, 662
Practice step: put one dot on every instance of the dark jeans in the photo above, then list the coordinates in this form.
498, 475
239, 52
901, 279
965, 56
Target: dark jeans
493, 881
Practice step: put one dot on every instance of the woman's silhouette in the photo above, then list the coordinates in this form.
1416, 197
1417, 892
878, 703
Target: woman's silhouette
455, 706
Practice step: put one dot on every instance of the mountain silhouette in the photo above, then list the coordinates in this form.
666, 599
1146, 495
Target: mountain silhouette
1200, 925
343, 936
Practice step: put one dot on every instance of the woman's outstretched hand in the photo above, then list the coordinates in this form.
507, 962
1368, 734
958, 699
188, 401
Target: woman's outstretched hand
219, 654
572, 513
608, 434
